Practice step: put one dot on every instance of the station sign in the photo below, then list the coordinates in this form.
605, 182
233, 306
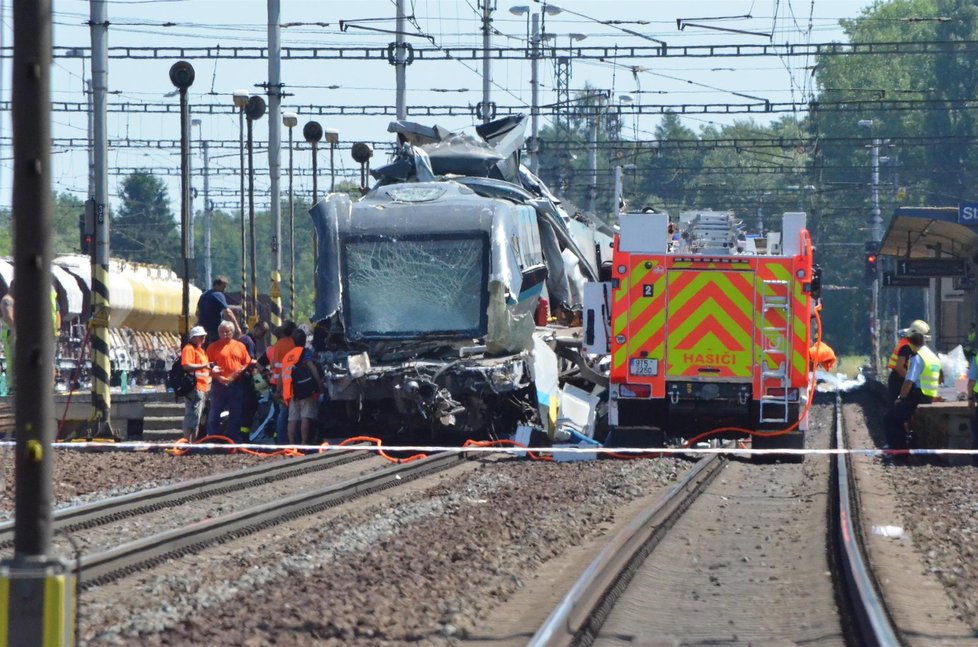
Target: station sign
930, 267
968, 213
891, 280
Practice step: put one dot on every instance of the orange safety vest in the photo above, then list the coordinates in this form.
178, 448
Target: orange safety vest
279, 351
291, 359
896, 353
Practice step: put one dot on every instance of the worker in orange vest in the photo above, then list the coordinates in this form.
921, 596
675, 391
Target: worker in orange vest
273, 363
303, 407
900, 357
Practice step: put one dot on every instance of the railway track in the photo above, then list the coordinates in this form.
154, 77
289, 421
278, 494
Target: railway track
110, 537
734, 553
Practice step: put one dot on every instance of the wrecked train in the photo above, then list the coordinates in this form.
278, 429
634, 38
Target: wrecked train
429, 288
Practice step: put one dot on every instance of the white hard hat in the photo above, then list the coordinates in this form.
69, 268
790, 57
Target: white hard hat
197, 331
920, 327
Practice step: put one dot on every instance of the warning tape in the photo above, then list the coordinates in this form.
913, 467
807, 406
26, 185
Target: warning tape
518, 450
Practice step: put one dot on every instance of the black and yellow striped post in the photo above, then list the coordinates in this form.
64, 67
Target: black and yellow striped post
275, 292
98, 326
43, 597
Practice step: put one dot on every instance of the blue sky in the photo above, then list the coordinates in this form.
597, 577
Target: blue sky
450, 23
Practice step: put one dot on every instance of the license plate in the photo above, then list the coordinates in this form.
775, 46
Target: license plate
645, 367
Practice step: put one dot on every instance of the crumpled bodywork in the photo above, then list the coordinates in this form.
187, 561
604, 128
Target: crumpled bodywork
428, 286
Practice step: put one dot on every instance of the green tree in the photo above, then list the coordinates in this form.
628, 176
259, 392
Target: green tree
144, 228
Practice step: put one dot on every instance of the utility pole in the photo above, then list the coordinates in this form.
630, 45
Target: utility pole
99, 321
535, 95
487, 109
207, 216
619, 190
240, 101
91, 148
877, 233
254, 110
189, 187
38, 590
182, 77
400, 62
592, 159
274, 153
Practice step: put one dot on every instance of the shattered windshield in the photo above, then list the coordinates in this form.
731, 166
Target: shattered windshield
416, 285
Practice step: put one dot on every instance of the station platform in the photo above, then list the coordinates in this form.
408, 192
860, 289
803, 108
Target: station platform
126, 413
945, 425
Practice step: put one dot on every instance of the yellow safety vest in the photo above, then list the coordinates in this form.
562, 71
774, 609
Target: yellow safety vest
930, 377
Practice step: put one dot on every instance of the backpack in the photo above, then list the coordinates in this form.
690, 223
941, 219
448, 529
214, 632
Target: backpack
180, 381
303, 383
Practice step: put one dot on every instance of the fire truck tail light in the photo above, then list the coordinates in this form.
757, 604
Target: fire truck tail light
635, 391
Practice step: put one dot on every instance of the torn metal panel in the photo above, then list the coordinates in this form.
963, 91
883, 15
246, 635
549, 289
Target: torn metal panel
545, 373
417, 134
326, 217
464, 395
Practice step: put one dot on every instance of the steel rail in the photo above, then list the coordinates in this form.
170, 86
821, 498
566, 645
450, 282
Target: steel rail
112, 509
581, 612
867, 608
101, 567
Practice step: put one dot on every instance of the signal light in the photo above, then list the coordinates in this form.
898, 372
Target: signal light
85, 236
872, 267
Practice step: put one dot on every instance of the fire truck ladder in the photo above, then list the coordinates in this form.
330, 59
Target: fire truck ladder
774, 298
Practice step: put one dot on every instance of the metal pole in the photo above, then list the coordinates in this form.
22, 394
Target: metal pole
99, 321
188, 187
877, 222
274, 154
185, 211
877, 233
291, 234
619, 174
592, 161
38, 603
400, 62
91, 148
486, 63
251, 219
207, 217
535, 95
244, 236
332, 168
315, 199
34, 350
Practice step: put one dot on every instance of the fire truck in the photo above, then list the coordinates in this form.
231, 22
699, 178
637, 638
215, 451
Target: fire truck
707, 329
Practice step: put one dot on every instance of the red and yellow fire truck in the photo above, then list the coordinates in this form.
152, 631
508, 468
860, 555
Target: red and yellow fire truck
707, 328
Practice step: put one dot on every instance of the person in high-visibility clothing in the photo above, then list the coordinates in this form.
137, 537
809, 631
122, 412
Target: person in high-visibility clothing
972, 400
822, 356
273, 362
919, 387
971, 344
900, 357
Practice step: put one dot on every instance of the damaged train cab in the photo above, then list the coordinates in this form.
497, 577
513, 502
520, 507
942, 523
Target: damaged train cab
428, 290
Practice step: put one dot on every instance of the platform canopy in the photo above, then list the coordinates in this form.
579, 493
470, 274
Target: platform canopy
926, 232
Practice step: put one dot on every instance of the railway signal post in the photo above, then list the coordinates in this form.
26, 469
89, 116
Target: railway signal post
37, 601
